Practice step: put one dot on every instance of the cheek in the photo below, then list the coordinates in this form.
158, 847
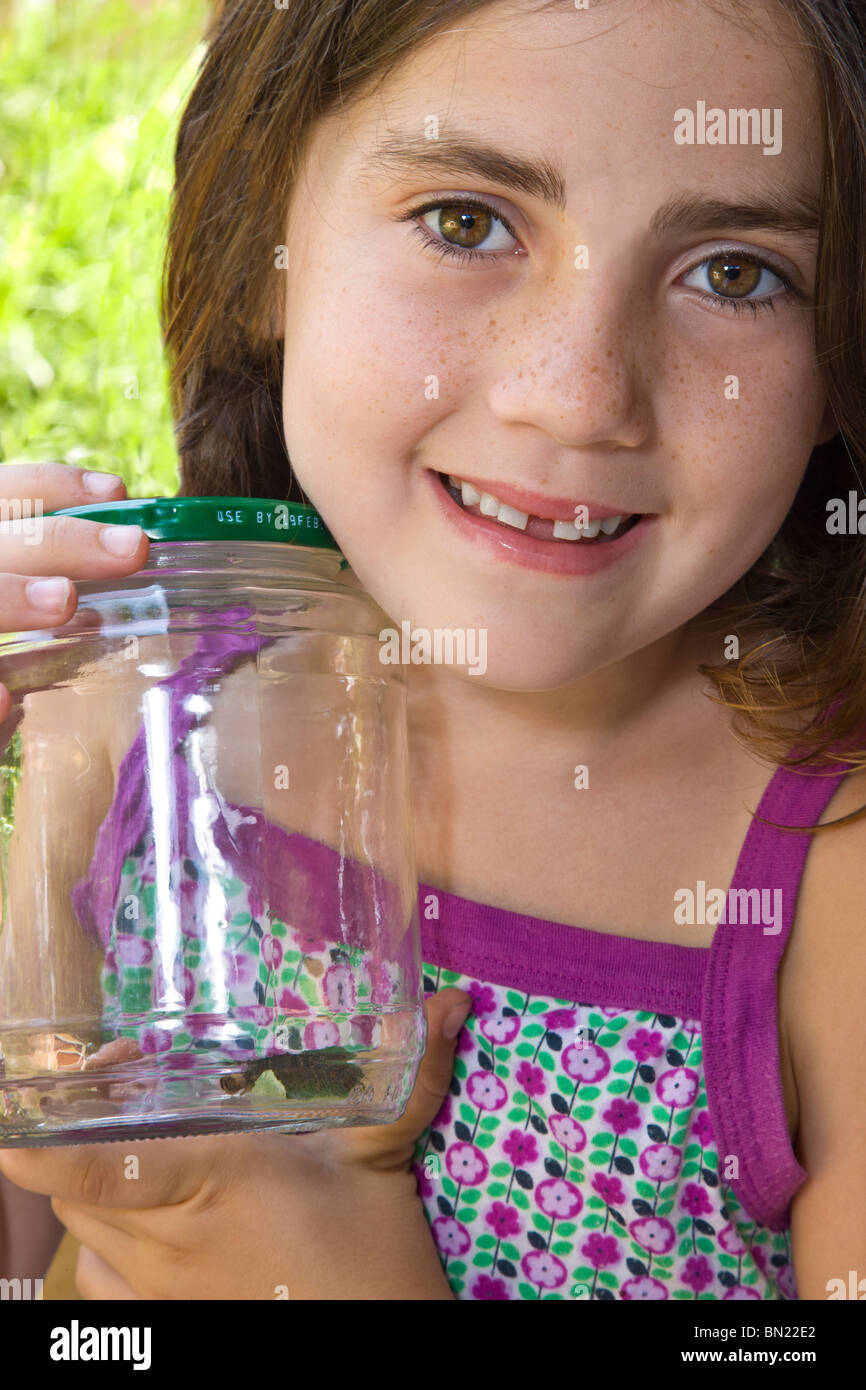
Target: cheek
370, 368
735, 431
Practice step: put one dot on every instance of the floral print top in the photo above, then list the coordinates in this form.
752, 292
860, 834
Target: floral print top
585, 1169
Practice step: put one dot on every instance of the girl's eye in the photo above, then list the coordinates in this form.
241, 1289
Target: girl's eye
733, 276
466, 230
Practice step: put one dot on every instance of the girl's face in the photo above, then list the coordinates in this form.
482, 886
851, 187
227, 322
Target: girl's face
628, 345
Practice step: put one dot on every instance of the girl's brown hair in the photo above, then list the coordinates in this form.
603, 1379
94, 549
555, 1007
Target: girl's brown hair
268, 76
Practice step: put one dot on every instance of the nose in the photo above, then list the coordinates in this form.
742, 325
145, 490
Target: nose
571, 369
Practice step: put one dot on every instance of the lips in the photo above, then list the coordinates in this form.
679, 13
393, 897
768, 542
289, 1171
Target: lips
536, 504
584, 523
521, 544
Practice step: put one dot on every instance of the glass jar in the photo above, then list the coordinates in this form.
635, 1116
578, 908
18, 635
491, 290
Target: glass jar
209, 898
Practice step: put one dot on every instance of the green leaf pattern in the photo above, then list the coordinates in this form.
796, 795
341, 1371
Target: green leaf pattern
574, 1159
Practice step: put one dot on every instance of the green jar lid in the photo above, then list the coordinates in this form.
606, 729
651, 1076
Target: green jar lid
214, 519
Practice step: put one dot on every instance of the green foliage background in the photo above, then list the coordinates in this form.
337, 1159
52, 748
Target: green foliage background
90, 96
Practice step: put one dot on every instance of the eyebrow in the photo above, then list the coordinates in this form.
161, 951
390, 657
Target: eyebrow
539, 178
790, 210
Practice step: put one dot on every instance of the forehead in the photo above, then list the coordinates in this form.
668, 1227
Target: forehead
597, 90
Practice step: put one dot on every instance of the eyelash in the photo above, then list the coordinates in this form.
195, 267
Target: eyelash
464, 255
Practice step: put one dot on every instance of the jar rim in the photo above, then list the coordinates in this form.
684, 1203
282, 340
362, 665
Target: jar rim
214, 519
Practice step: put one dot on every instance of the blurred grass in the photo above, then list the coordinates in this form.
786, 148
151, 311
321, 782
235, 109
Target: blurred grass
90, 96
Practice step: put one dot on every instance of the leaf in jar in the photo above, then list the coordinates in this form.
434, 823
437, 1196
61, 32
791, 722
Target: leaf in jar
327, 1071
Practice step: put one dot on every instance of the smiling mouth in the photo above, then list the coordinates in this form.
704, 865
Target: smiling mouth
597, 532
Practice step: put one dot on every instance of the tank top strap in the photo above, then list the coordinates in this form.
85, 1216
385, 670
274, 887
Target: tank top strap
216, 653
739, 1009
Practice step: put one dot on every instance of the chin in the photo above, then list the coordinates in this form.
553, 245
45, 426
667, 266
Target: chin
530, 673
531, 679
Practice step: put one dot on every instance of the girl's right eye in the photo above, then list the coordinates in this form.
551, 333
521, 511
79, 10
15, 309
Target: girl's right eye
472, 219
469, 220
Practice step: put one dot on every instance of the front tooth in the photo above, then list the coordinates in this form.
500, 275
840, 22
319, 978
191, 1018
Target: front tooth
591, 530
610, 524
512, 517
470, 494
565, 531
489, 505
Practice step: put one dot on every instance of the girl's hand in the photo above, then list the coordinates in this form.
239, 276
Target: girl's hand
332, 1214
35, 548
38, 549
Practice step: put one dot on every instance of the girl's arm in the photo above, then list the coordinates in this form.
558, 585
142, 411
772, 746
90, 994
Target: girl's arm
29, 1232
824, 1002
828, 1216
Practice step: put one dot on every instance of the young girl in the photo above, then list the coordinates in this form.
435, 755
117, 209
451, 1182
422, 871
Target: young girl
567, 303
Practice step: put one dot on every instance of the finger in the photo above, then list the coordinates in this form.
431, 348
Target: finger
96, 1279
48, 600
163, 1172
55, 485
32, 542
437, 1065
18, 665
67, 545
387, 1146
110, 1053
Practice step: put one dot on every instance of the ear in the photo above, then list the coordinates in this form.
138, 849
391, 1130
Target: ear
270, 325
828, 427
275, 324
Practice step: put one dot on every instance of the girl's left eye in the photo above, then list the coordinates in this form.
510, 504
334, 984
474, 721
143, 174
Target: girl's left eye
734, 275
469, 221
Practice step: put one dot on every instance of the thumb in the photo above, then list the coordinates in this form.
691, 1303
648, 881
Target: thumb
447, 1012
392, 1145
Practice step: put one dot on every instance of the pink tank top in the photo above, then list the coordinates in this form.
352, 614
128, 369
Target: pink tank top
615, 1127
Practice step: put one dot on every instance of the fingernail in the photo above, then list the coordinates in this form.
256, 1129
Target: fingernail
100, 483
120, 540
454, 1021
48, 594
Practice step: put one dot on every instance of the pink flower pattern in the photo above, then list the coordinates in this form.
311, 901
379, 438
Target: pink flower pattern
574, 1152
579, 1158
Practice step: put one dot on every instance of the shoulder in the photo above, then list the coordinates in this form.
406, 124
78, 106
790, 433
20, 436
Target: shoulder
822, 986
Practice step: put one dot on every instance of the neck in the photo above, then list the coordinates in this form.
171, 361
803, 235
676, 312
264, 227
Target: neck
459, 721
